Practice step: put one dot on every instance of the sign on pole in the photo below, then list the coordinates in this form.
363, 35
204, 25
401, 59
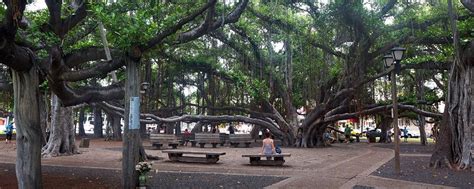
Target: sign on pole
134, 115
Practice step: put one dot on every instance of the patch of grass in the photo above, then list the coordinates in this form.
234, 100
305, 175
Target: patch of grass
417, 140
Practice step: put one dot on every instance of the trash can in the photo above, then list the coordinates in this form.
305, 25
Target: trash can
84, 143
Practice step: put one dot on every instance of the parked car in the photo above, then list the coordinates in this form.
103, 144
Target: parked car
412, 133
374, 133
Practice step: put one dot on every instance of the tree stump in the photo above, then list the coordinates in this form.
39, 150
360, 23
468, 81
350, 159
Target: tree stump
84, 143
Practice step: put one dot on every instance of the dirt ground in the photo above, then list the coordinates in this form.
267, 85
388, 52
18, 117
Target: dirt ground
340, 166
414, 165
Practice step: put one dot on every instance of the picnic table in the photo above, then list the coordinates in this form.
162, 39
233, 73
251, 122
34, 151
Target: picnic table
276, 159
206, 157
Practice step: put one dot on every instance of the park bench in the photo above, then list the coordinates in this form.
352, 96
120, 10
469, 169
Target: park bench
209, 157
190, 139
235, 140
223, 137
207, 138
276, 159
277, 142
158, 140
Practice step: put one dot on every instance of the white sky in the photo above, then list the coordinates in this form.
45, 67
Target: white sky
36, 5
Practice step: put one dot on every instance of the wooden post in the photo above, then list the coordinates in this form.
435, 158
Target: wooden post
131, 137
395, 121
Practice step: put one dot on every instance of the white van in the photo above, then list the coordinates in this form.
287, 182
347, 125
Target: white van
3, 124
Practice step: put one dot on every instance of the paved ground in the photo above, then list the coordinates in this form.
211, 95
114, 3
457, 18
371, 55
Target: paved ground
341, 166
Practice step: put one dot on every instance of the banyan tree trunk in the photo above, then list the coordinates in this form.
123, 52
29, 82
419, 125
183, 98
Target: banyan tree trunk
442, 154
116, 127
255, 131
143, 131
315, 137
169, 128
28, 136
98, 125
197, 128
422, 121
460, 115
385, 125
43, 119
61, 140
82, 119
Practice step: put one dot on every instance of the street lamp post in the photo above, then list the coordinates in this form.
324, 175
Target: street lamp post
393, 62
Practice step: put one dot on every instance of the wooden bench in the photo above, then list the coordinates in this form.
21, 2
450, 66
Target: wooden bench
276, 159
207, 138
223, 137
235, 140
209, 157
190, 139
158, 140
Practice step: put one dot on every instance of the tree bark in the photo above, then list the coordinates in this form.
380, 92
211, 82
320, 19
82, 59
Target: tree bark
422, 121
454, 144
131, 138
385, 125
198, 127
143, 131
43, 118
421, 97
28, 136
62, 137
116, 127
98, 124
442, 156
82, 119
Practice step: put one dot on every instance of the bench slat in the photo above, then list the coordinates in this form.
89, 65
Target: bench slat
209, 157
207, 138
192, 152
189, 159
263, 155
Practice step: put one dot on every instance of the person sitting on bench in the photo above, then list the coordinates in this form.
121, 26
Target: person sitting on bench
268, 147
186, 137
328, 139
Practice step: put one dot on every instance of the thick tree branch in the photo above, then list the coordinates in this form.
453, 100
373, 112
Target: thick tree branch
469, 4
87, 54
70, 96
387, 7
221, 21
378, 109
99, 69
17, 57
72, 39
287, 26
429, 65
253, 44
437, 82
173, 29
206, 118
62, 26
203, 28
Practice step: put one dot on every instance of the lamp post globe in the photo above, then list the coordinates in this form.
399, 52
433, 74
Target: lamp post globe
388, 60
397, 53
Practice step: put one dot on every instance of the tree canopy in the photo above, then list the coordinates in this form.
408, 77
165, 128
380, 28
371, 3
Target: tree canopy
263, 62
